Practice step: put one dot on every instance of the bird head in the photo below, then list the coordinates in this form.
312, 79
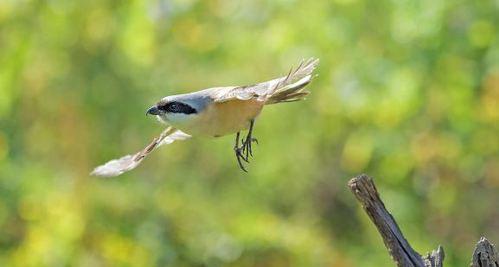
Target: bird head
177, 109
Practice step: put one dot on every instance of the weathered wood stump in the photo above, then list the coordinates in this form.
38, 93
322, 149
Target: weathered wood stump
400, 250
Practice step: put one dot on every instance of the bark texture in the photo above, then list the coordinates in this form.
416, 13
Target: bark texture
485, 254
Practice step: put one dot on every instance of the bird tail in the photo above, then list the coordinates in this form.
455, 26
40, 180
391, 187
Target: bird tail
290, 87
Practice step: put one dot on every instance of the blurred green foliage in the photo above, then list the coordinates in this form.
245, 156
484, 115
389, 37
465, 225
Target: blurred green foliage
408, 92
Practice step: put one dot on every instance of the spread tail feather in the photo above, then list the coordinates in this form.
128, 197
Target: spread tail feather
290, 87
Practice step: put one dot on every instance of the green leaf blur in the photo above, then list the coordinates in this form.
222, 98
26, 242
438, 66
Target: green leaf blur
408, 92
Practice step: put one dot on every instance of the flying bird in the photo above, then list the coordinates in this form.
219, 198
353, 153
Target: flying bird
215, 112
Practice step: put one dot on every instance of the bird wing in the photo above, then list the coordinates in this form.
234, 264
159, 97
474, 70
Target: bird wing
126, 163
262, 91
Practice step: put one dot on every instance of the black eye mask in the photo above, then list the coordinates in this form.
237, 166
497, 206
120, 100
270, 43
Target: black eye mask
177, 107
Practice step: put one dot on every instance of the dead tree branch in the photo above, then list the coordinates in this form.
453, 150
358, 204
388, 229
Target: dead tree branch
402, 253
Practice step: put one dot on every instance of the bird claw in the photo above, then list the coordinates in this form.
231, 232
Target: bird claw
239, 156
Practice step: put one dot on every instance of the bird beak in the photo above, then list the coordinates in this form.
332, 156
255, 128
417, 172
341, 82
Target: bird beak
153, 111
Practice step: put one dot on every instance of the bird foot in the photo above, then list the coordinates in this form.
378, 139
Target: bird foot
240, 157
244, 151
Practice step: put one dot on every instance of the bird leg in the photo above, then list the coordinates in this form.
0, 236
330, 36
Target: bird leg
247, 142
245, 150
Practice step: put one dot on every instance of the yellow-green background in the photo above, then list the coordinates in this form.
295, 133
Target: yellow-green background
408, 92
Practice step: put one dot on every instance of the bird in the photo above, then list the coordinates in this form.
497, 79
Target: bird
216, 112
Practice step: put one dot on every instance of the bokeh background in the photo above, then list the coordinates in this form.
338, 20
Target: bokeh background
407, 92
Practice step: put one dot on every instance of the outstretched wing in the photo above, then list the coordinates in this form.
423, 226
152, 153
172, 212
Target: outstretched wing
116, 167
262, 91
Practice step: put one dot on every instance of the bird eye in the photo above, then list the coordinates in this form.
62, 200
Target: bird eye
173, 107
